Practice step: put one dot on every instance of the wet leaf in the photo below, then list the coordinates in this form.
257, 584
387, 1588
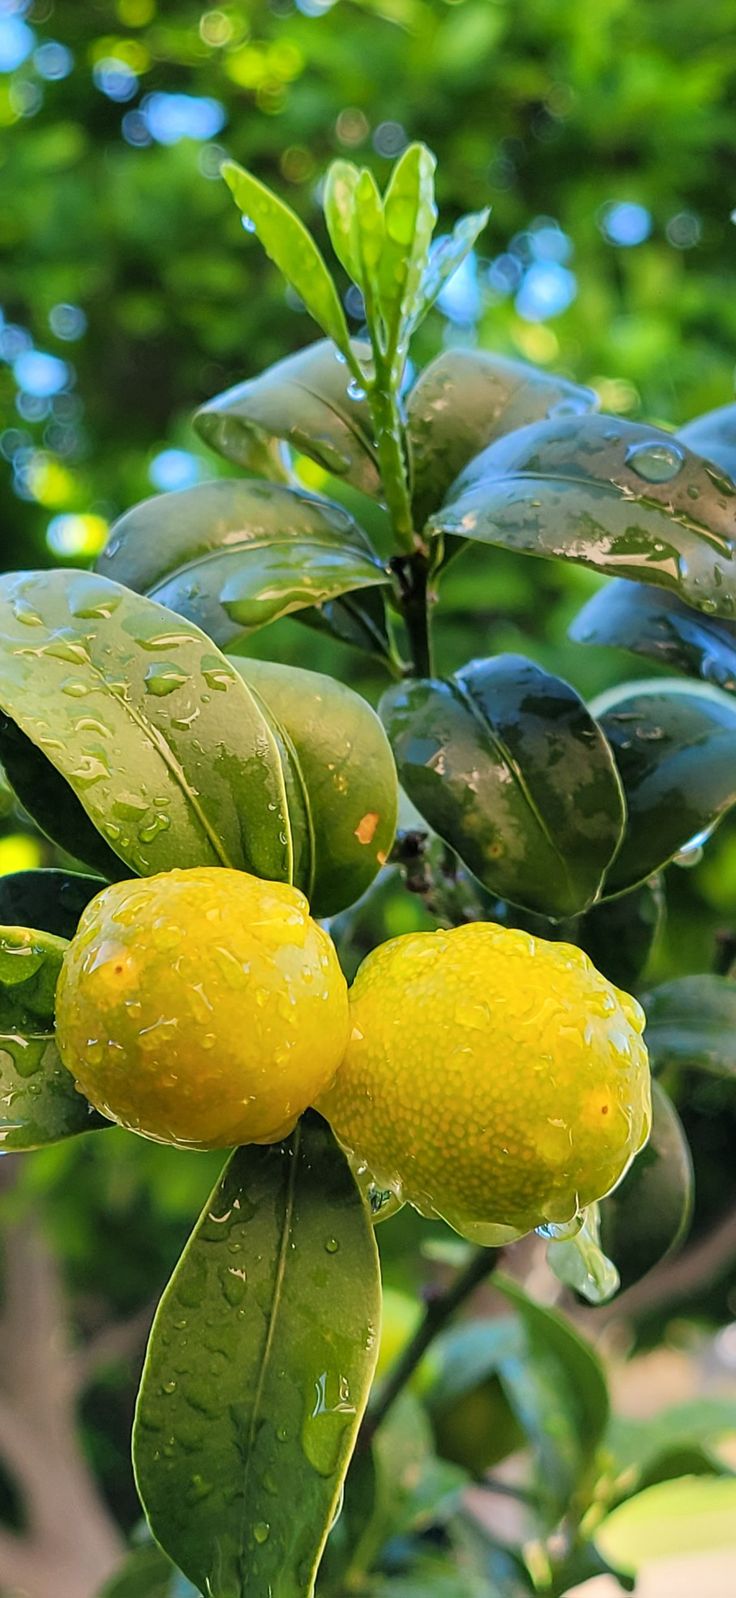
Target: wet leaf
506, 764
713, 435
691, 1022
621, 497
409, 214
348, 774
648, 1215
292, 249
50, 899
675, 748
652, 622
463, 401
304, 401
234, 555
39, 1103
358, 619
339, 202
258, 1371
131, 739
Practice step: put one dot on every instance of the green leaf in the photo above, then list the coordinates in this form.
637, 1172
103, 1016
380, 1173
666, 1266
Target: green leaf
339, 204
292, 249
506, 764
713, 435
581, 1263
445, 257
258, 1371
558, 1390
652, 622
39, 1103
620, 497
50, 899
131, 739
148, 1573
358, 619
649, 1213
415, 1488
234, 555
433, 1576
677, 1517
463, 401
347, 771
691, 1022
304, 401
620, 934
675, 748
409, 215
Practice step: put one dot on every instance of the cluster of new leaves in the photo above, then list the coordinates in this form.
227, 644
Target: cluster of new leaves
138, 744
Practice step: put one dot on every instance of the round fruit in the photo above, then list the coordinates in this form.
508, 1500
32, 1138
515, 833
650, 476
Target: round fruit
478, 1429
491, 1078
204, 1008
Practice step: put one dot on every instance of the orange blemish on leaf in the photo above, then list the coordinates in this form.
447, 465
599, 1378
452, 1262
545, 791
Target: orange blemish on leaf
366, 827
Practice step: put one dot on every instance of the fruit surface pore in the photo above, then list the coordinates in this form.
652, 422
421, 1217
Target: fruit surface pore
203, 1007
491, 1078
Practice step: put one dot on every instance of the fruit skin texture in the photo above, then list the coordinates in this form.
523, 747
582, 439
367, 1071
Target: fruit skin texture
491, 1078
204, 1007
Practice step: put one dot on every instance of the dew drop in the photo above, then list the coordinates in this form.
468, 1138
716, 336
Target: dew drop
331, 1245
164, 679
261, 1531
247, 223
355, 391
656, 463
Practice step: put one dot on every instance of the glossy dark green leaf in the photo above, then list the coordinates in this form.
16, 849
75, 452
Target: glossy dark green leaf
714, 435
558, 1389
621, 497
358, 619
506, 764
39, 1103
691, 1022
148, 1573
136, 734
233, 555
7, 797
648, 1215
258, 1371
675, 748
652, 622
409, 215
292, 249
348, 775
465, 399
305, 401
50, 899
620, 934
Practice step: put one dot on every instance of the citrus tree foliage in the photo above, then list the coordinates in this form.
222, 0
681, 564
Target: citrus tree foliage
140, 735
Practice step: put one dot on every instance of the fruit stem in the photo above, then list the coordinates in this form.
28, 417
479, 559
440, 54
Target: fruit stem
439, 1311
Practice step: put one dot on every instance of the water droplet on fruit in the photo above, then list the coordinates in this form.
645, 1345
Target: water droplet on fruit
656, 463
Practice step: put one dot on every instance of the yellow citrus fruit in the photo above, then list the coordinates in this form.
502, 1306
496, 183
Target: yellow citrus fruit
203, 1007
491, 1078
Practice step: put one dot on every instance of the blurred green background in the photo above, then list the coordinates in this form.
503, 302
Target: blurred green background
603, 138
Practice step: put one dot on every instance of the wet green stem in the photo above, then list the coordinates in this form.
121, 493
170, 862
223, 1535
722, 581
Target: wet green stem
439, 1311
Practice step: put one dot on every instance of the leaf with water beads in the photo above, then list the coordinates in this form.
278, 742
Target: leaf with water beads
652, 622
131, 739
234, 555
258, 1371
624, 498
39, 1103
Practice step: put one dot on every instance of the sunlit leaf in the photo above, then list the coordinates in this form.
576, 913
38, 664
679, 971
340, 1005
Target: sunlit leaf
234, 555
621, 497
292, 249
409, 217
